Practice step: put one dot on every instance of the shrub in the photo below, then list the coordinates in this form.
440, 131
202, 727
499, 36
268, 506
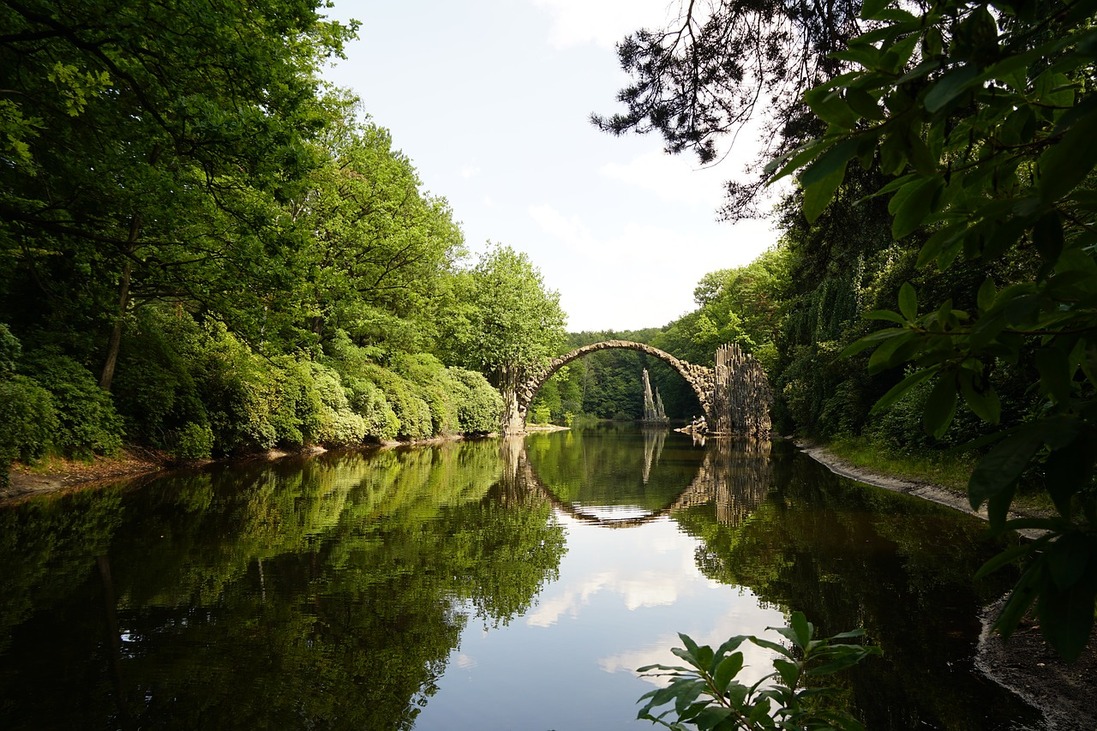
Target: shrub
339, 424
10, 350
239, 391
412, 412
434, 384
154, 387
27, 422
479, 405
87, 422
193, 441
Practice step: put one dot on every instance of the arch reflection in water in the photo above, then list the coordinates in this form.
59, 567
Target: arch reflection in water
732, 475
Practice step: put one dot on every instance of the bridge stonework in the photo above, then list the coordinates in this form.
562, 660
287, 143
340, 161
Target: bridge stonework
735, 396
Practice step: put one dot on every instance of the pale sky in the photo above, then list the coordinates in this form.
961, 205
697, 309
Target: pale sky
490, 99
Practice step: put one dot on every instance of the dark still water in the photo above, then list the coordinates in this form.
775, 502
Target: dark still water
480, 585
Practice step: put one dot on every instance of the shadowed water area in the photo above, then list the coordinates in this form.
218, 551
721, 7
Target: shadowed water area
477, 585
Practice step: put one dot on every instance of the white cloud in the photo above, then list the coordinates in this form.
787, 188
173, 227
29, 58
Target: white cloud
602, 22
637, 274
671, 178
743, 614
469, 171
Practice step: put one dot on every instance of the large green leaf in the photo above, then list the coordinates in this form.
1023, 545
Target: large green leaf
1002, 466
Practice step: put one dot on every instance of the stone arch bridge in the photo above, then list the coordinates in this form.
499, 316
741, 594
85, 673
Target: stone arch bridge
734, 396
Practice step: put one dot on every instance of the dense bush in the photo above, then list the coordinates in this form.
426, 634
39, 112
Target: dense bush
154, 387
412, 412
27, 422
339, 425
87, 422
193, 441
479, 406
10, 350
239, 391
369, 402
435, 385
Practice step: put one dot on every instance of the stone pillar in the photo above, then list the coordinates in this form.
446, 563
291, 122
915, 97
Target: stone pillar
514, 418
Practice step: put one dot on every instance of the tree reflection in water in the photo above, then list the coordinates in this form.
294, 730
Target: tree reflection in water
323, 593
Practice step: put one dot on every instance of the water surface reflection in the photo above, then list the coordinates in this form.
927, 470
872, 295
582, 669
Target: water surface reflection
473, 585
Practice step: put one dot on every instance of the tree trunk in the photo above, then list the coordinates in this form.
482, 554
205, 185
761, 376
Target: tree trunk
115, 342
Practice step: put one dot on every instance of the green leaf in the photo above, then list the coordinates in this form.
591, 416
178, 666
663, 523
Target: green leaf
982, 401
1066, 163
986, 295
1021, 598
896, 392
1066, 616
819, 195
1047, 235
870, 8
822, 178
1007, 557
1002, 466
886, 315
940, 407
830, 107
949, 86
1055, 373
908, 301
865, 104
789, 671
726, 671
913, 204
1068, 558
892, 352
769, 645
1067, 471
871, 339
802, 629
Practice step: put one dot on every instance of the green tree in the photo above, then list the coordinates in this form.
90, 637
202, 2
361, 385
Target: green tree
983, 115
147, 149
505, 321
377, 249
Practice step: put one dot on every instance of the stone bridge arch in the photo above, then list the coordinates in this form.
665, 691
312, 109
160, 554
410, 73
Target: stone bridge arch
734, 396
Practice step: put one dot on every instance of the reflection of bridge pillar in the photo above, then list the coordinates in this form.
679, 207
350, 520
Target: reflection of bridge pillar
512, 450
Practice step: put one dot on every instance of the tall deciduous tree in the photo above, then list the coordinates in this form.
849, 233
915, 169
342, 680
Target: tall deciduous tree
145, 153
505, 321
377, 248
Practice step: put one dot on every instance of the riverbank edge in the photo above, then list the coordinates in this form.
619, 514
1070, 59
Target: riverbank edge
58, 475
1025, 665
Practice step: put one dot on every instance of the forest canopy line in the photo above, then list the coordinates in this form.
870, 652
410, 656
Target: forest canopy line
206, 250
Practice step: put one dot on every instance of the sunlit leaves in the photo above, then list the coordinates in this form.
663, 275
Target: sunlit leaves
707, 694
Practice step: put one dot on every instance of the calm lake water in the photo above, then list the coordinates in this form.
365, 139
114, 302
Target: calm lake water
481, 585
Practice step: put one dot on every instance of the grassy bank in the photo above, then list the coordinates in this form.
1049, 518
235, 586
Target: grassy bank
949, 470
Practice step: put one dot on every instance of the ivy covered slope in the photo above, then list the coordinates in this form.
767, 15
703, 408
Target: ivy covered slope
203, 249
